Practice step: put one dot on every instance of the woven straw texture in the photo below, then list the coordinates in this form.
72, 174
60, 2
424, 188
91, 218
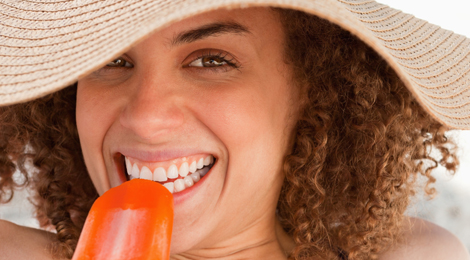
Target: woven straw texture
46, 45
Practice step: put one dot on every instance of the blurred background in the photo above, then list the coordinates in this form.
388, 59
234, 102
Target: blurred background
451, 207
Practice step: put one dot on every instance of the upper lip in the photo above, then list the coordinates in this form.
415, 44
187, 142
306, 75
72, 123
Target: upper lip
159, 155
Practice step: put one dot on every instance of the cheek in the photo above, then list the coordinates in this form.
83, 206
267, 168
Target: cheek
236, 116
90, 115
97, 109
251, 124
94, 117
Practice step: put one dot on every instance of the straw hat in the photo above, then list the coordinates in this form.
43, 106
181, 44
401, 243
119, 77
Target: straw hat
44, 44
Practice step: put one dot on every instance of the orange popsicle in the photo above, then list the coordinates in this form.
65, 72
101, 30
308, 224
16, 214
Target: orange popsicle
131, 221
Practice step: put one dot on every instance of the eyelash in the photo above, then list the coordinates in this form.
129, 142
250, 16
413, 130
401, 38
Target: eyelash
108, 67
231, 62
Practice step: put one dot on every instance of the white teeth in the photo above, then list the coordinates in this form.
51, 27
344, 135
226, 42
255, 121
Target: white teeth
195, 176
170, 186
146, 174
159, 174
191, 173
135, 171
179, 185
193, 167
207, 160
200, 163
172, 172
188, 181
184, 169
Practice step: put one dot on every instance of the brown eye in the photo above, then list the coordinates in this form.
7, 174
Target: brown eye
208, 61
119, 63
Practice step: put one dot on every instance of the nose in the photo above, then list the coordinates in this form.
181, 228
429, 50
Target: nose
152, 110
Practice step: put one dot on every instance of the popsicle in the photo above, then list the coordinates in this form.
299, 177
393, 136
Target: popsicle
131, 221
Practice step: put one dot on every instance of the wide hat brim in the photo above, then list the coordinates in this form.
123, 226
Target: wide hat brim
48, 45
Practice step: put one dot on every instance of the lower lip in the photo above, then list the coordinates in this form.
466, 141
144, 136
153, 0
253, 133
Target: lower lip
180, 197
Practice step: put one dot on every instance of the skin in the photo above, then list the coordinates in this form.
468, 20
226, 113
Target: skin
163, 108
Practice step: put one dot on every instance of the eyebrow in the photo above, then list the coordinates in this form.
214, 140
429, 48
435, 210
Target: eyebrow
208, 30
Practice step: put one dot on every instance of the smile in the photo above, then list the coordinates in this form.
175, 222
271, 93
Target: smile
176, 175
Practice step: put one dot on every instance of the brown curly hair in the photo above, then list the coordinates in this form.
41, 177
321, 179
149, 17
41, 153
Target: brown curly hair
360, 143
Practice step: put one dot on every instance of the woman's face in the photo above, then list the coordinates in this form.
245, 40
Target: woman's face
213, 87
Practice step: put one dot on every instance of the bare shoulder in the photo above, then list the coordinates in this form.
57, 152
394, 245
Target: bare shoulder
425, 240
18, 242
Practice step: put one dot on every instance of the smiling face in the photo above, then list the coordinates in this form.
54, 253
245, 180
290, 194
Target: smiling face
214, 90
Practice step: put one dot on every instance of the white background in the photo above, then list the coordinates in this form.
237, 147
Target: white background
451, 208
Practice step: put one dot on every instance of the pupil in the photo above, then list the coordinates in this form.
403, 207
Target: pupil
118, 62
212, 61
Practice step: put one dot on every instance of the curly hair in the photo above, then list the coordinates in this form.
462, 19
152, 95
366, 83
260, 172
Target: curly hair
42, 136
360, 143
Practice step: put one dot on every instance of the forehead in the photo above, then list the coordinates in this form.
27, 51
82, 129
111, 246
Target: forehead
257, 23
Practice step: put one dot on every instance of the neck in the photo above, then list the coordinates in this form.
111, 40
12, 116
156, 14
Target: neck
262, 240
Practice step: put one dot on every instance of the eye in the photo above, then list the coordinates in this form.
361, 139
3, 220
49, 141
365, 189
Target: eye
211, 59
119, 63
117, 68
208, 61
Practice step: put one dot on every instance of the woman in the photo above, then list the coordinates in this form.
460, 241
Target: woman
306, 140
